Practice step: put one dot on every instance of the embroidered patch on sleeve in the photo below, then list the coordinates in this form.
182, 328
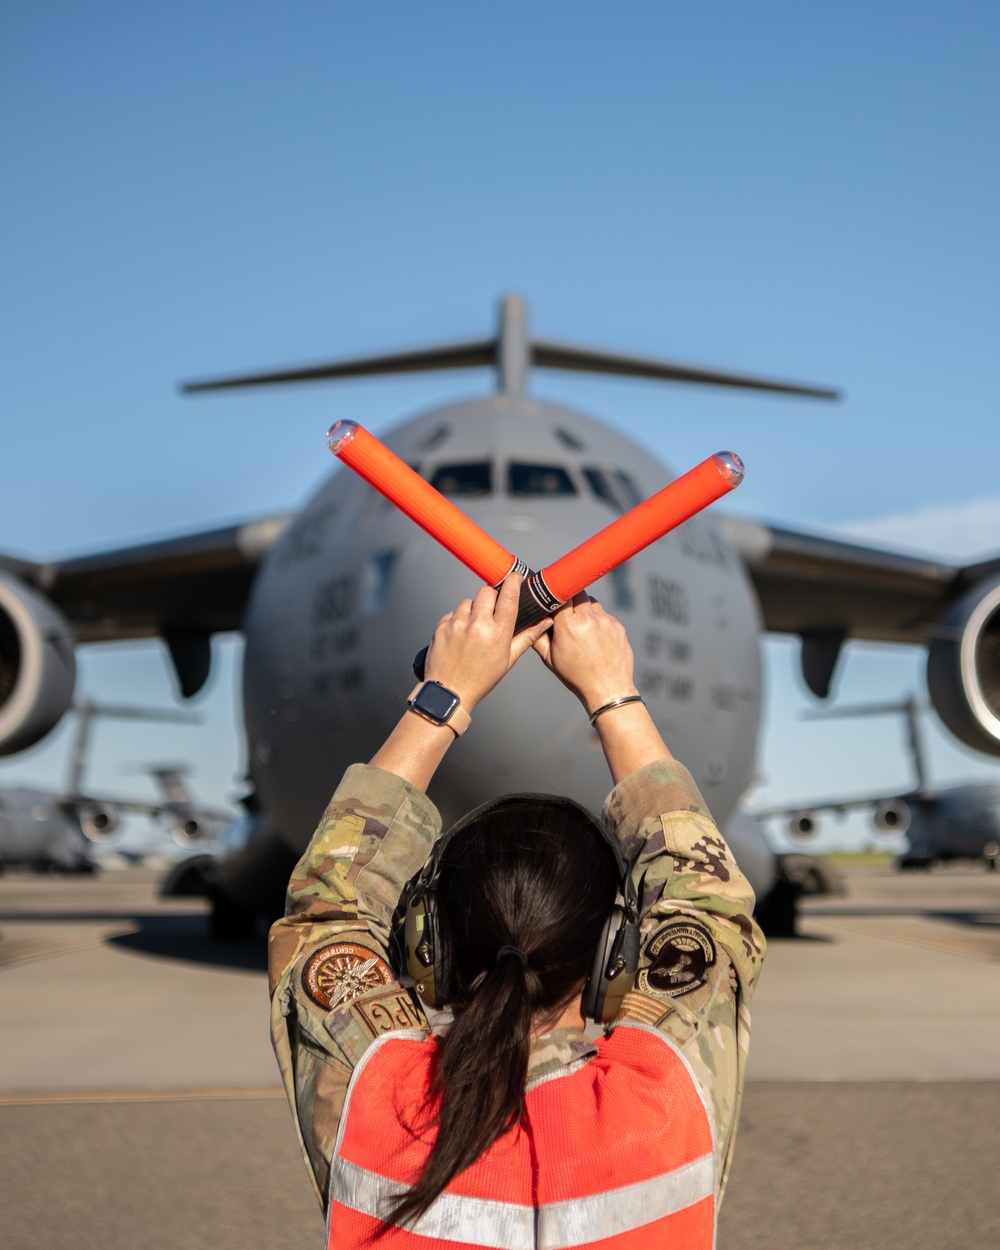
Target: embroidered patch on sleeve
643, 1008
682, 954
339, 973
384, 1012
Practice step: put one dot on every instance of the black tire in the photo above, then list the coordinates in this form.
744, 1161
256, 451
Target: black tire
228, 921
778, 912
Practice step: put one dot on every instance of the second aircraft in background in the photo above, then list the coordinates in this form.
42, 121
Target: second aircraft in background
939, 822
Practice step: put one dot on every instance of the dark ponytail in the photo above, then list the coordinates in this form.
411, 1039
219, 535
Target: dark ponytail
532, 874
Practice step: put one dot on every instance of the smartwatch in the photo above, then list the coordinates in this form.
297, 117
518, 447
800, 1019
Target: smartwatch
440, 706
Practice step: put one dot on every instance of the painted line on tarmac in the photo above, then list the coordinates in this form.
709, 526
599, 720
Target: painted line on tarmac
940, 944
230, 1093
14, 951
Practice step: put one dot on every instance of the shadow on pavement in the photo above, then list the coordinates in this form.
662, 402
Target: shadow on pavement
186, 938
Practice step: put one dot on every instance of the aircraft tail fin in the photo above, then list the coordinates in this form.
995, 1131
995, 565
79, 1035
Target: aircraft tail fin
910, 708
86, 710
170, 781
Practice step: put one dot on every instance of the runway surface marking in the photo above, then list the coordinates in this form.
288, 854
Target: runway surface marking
19, 950
49, 1097
950, 944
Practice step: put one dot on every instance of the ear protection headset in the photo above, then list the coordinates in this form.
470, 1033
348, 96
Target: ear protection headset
616, 957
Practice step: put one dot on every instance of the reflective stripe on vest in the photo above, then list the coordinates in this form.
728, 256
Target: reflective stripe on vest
538, 1187
511, 1226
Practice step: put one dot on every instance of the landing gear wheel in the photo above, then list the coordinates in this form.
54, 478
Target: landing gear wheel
777, 912
228, 921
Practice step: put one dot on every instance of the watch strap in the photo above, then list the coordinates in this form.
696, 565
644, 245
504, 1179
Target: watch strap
458, 721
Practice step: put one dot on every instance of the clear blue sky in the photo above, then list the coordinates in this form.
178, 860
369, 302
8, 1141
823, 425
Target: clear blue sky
808, 191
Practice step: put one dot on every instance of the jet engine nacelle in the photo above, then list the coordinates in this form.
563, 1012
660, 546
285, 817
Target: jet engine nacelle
804, 827
892, 816
37, 665
189, 829
99, 820
963, 668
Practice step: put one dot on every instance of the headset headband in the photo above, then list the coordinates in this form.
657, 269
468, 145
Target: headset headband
617, 955
528, 799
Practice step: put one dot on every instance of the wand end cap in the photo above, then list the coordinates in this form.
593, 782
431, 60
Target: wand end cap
730, 466
340, 434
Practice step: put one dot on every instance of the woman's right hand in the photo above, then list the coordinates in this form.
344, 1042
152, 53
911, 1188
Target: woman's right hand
589, 651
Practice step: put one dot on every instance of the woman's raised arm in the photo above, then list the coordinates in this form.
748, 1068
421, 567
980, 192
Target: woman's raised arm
589, 651
472, 649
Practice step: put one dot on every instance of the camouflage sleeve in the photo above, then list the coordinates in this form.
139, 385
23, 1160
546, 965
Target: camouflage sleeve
333, 989
701, 948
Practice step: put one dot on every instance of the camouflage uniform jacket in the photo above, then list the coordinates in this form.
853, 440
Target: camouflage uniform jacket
333, 990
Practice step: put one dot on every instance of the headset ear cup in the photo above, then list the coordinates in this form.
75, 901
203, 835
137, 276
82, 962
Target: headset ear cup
595, 990
617, 954
439, 988
626, 981
422, 946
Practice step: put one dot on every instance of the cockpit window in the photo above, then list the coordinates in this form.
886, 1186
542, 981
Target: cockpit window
614, 487
439, 436
632, 493
539, 479
568, 439
376, 576
599, 483
474, 478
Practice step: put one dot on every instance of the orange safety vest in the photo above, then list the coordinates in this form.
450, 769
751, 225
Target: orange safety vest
616, 1153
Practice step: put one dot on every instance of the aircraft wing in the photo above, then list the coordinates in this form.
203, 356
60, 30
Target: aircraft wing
143, 807
806, 584
890, 813
195, 583
828, 591
849, 803
182, 590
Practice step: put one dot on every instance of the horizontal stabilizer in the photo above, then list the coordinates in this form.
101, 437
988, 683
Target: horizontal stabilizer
866, 709
547, 354
512, 351
128, 712
424, 360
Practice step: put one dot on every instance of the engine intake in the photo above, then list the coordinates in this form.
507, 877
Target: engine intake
963, 668
892, 817
804, 827
190, 829
99, 820
37, 665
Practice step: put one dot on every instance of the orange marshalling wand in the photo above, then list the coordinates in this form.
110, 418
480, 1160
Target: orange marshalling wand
395, 480
622, 539
545, 592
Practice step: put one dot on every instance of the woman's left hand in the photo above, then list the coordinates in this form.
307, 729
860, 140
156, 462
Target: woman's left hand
475, 646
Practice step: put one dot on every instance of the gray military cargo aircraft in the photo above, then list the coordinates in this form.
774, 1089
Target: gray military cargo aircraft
939, 823
62, 829
334, 601
191, 823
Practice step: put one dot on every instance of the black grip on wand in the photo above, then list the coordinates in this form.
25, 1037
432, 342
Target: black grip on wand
529, 609
529, 612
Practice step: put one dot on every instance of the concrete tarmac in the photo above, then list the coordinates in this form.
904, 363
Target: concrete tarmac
139, 1099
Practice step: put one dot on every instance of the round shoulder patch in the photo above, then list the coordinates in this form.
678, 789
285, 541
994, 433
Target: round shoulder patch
682, 955
336, 974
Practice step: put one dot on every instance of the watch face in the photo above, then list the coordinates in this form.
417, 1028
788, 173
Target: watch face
435, 701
